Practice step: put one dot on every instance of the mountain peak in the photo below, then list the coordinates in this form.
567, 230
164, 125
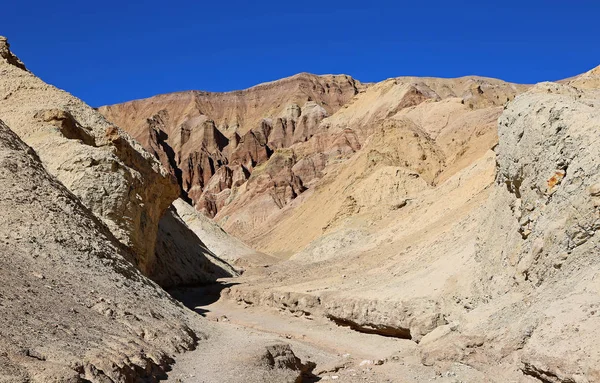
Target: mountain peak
7, 55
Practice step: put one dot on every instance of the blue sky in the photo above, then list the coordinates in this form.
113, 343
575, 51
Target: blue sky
112, 51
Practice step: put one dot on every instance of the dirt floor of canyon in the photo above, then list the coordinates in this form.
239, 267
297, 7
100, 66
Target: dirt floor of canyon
333, 352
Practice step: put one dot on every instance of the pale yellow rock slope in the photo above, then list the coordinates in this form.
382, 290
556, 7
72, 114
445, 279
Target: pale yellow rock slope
492, 264
412, 138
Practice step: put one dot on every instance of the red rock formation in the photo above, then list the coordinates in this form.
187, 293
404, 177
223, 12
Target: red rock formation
212, 142
256, 150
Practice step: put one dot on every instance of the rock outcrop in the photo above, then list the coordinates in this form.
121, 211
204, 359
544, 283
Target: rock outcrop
8, 56
71, 299
226, 246
458, 216
112, 174
547, 192
212, 142
492, 264
73, 307
182, 257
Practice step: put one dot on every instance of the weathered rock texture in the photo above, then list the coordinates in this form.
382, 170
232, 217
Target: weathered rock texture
544, 234
119, 181
458, 215
491, 261
288, 134
217, 240
114, 177
182, 258
76, 218
212, 142
72, 306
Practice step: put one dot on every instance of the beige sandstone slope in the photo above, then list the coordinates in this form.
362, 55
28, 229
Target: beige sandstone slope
217, 240
549, 191
110, 172
93, 158
403, 129
495, 267
70, 302
182, 258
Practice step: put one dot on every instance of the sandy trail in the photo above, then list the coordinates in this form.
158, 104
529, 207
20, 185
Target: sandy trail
339, 353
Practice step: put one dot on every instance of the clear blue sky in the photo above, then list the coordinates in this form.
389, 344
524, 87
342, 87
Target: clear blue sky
111, 51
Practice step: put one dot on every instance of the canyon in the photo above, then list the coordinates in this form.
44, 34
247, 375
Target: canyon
312, 228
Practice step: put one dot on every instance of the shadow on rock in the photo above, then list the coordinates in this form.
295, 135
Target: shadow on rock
198, 297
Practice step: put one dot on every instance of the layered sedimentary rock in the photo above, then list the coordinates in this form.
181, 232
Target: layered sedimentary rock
458, 215
75, 309
212, 142
298, 130
398, 131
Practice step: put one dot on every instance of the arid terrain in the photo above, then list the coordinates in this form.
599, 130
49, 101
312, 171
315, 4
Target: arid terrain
313, 228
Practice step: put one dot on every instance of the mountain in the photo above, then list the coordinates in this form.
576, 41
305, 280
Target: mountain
289, 133
85, 221
119, 181
492, 265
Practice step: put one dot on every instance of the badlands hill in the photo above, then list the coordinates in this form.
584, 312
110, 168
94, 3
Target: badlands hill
459, 214
113, 176
415, 229
287, 135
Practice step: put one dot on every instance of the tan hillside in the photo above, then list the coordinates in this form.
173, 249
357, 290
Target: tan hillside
237, 111
431, 136
494, 267
247, 179
119, 181
587, 80
433, 210
70, 298
74, 306
212, 141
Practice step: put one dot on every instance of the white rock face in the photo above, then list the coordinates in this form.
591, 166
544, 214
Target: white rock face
543, 240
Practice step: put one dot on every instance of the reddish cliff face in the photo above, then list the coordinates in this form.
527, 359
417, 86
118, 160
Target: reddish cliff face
213, 141
241, 157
